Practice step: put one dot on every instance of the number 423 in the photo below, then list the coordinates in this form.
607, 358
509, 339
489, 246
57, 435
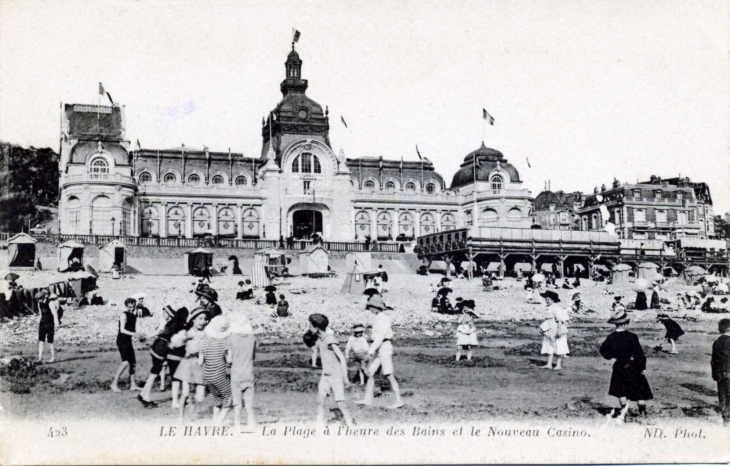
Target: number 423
60, 432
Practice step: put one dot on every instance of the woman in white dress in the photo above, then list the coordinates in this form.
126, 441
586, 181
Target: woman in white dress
555, 331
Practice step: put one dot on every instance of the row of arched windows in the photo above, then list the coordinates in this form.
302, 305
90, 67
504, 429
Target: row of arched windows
386, 228
392, 186
202, 222
192, 180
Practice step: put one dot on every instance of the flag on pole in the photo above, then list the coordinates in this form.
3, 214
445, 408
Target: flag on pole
101, 89
139, 146
296, 35
110, 98
419, 154
528, 162
343, 121
488, 117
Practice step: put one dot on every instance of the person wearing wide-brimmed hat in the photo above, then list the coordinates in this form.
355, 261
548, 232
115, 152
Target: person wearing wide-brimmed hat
628, 382
189, 372
674, 331
357, 345
208, 299
554, 331
466, 331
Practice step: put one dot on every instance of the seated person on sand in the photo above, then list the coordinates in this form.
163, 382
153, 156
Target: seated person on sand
567, 285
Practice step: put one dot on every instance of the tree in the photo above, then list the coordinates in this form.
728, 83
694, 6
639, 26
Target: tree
17, 212
722, 226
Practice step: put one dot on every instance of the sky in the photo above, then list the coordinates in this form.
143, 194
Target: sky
584, 90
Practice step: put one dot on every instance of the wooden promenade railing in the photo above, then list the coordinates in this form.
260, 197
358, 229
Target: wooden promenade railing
230, 243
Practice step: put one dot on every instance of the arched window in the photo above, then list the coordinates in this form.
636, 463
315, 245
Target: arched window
369, 184
428, 224
490, 216
385, 226
496, 184
175, 221
170, 178
306, 163
145, 177
150, 222
99, 166
241, 181
448, 222
226, 222
101, 216
430, 188
411, 187
217, 179
73, 207
390, 186
193, 179
362, 225
250, 223
201, 221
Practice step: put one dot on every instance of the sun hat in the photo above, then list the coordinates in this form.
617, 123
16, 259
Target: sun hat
552, 295
218, 328
576, 297
207, 292
239, 324
319, 320
375, 302
196, 312
619, 316
169, 311
358, 328
618, 298
53, 296
662, 316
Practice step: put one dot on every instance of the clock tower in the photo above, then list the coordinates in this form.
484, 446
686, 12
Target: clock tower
296, 117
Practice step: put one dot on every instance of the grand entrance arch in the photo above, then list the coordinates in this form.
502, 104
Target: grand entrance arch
305, 223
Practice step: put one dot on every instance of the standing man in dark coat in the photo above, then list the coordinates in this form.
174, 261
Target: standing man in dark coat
720, 364
628, 382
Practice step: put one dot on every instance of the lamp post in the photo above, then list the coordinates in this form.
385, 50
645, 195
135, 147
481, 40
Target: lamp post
113, 222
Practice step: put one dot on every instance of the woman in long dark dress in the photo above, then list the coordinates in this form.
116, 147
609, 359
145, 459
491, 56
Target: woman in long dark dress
628, 382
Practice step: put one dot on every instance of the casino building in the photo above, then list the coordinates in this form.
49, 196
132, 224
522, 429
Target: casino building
297, 186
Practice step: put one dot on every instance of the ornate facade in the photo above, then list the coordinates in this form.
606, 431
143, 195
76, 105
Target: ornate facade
297, 186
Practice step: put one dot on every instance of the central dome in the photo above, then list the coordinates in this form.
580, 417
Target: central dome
488, 160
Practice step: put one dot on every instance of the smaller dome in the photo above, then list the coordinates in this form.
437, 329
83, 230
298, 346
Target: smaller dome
293, 55
545, 198
488, 159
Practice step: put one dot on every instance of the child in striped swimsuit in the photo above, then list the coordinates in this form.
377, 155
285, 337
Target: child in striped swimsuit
212, 357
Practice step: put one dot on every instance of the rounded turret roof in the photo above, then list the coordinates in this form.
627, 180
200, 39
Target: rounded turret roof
488, 160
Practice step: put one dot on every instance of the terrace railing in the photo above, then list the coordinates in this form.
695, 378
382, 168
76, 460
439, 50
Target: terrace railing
230, 243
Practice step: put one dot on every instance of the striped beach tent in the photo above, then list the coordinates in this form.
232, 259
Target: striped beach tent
259, 277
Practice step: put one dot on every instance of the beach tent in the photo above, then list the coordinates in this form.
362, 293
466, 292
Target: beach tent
692, 274
648, 271
357, 264
620, 274
198, 260
313, 260
21, 251
440, 267
70, 256
80, 283
274, 260
113, 253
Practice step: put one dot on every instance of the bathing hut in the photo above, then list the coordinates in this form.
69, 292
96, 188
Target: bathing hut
112, 254
197, 260
620, 274
692, 274
70, 256
648, 271
21, 251
314, 261
440, 267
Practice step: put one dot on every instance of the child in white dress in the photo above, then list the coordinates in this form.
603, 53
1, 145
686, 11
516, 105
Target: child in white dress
466, 332
555, 331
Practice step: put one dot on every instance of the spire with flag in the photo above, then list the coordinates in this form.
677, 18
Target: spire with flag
487, 117
295, 36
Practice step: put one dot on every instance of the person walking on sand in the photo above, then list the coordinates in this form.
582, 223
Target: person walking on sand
189, 372
674, 331
555, 341
357, 344
720, 365
628, 382
127, 329
382, 336
160, 350
212, 357
48, 323
334, 369
466, 332
241, 353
